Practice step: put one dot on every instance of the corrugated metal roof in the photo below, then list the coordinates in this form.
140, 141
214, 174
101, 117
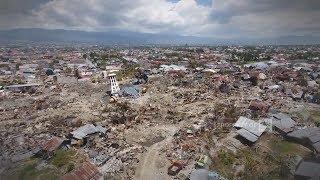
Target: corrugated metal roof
86, 171
250, 125
87, 129
52, 144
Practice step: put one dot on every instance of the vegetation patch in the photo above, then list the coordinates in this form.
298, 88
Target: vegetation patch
315, 116
29, 171
223, 164
63, 157
284, 147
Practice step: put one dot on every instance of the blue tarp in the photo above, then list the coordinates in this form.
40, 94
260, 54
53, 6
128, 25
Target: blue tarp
133, 91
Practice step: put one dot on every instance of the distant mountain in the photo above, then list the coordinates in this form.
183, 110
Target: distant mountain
304, 40
127, 37
114, 37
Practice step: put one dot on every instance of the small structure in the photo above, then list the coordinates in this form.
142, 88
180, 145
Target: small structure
114, 84
86, 171
250, 125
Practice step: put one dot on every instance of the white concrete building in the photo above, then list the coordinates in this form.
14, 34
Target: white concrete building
114, 84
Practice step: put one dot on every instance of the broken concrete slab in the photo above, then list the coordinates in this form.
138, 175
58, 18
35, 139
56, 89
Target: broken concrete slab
250, 125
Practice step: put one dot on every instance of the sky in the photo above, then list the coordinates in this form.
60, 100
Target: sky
209, 18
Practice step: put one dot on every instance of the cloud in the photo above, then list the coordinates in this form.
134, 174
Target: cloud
138, 15
268, 17
224, 10
221, 18
19, 6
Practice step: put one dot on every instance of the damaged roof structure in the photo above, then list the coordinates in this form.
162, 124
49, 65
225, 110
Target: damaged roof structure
53, 144
249, 129
86, 171
86, 130
282, 122
131, 91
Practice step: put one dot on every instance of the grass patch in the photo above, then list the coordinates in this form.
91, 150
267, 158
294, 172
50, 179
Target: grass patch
226, 158
223, 164
284, 147
315, 116
63, 157
28, 171
311, 115
264, 165
70, 167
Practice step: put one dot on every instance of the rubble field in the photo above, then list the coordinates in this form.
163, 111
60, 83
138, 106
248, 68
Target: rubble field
252, 121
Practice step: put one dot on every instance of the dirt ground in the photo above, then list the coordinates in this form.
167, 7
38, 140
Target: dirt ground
153, 163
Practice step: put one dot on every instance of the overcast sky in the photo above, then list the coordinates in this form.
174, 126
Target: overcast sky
216, 18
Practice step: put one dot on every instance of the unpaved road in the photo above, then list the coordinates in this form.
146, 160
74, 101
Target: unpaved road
153, 165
